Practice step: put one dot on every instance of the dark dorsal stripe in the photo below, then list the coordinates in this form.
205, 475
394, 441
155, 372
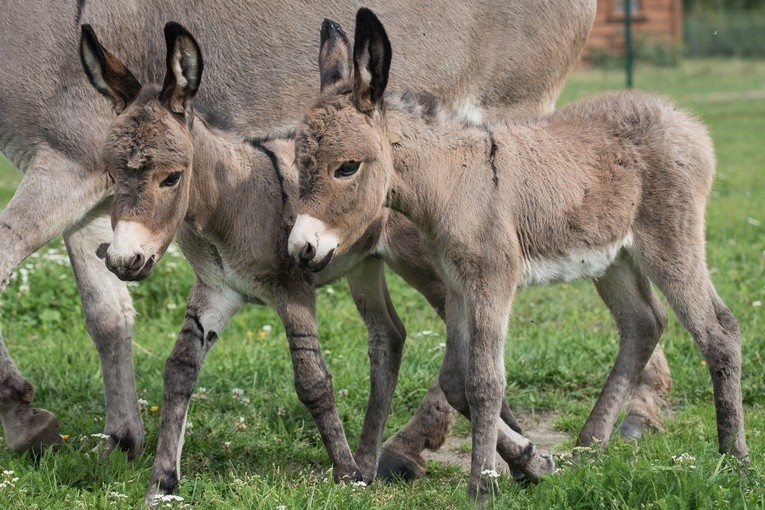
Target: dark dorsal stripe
259, 145
492, 153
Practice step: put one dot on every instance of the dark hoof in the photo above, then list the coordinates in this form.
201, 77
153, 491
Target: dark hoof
392, 467
347, 477
633, 427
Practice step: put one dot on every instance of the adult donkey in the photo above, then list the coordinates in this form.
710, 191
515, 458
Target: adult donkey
611, 188
504, 58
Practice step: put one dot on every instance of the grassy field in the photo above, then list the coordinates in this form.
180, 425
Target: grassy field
560, 346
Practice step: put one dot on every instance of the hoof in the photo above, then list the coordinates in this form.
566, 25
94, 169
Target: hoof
393, 466
34, 431
539, 467
128, 443
342, 476
633, 427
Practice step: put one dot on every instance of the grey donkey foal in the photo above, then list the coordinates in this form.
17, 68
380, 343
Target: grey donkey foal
611, 188
229, 201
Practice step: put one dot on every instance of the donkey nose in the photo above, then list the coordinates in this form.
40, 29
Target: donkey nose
307, 253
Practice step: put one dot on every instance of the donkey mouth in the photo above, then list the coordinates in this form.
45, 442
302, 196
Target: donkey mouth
132, 274
318, 266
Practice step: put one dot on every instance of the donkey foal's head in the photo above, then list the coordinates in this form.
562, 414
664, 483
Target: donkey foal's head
148, 151
342, 149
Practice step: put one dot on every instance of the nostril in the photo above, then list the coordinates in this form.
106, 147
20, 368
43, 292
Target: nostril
307, 253
137, 262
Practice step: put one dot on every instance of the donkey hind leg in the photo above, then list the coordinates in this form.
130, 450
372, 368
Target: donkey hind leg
296, 306
515, 449
386, 341
53, 195
689, 290
109, 317
208, 311
644, 408
640, 319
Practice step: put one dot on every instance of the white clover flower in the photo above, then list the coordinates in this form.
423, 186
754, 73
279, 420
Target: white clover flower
342, 393
201, 393
361, 484
142, 404
241, 425
490, 473
245, 401
117, 495
685, 459
330, 290
281, 507
100, 436
172, 306
267, 328
7, 472
226, 445
757, 303
237, 393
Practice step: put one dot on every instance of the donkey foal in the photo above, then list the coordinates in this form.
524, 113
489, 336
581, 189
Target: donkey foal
611, 188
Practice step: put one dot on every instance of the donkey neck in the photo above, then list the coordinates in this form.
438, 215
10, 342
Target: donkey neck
219, 160
432, 159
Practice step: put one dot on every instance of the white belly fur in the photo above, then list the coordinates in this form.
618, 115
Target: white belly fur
575, 265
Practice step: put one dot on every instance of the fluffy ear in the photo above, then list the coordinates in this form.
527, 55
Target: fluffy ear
106, 73
184, 68
335, 61
371, 58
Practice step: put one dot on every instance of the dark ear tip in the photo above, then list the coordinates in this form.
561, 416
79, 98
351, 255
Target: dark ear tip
87, 32
330, 28
173, 29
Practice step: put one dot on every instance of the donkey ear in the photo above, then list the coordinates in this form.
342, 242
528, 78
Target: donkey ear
105, 71
184, 68
335, 60
371, 58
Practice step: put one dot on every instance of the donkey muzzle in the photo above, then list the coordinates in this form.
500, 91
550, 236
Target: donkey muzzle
311, 244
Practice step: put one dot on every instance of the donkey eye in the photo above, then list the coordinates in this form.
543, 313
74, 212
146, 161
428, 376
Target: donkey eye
347, 169
170, 180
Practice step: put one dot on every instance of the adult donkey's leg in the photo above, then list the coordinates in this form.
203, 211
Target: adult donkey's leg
108, 311
386, 341
208, 311
296, 306
53, 195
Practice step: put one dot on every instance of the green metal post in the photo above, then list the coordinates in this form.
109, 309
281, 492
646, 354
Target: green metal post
628, 51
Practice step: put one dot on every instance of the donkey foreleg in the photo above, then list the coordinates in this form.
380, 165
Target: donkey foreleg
207, 313
109, 317
296, 307
53, 195
434, 418
386, 341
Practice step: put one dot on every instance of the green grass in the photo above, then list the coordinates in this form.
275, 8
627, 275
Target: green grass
560, 346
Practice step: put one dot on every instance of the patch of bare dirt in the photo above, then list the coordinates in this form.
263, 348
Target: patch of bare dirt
538, 428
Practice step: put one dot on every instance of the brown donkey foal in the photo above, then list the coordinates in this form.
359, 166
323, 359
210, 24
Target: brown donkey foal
611, 188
